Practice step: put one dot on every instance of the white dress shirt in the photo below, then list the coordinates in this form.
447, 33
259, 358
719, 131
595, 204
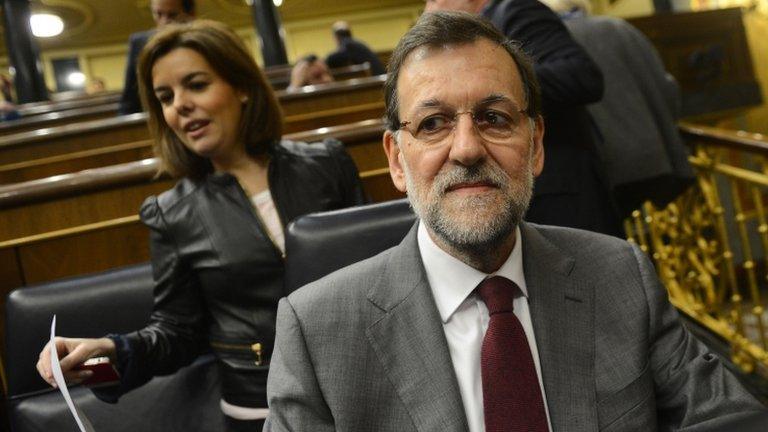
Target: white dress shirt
465, 317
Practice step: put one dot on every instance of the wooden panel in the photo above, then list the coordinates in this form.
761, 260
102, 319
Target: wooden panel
75, 161
72, 211
58, 118
280, 82
378, 186
86, 229
85, 253
707, 53
30, 146
333, 117
54, 114
322, 106
44, 107
88, 251
368, 155
128, 152
10, 272
352, 92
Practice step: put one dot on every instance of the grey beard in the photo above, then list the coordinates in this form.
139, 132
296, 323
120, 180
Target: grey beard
469, 232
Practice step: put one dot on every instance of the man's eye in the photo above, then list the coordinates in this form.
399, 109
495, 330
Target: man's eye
495, 118
433, 123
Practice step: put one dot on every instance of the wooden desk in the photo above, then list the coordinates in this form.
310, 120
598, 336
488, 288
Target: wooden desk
308, 108
85, 222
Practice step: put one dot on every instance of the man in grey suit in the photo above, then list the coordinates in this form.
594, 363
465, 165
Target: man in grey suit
478, 321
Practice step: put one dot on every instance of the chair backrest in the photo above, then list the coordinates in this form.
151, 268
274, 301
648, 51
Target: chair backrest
320, 243
116, 301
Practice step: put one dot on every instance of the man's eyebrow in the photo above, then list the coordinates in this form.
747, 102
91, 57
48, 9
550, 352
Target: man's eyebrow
488, 100
429, 103
495, 98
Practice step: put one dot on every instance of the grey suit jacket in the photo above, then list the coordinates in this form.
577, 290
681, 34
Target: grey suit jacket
364, 350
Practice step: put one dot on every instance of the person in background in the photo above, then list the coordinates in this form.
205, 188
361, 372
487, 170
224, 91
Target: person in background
7, 107
310, 70
96, 86
163, 12
350, 51
217, 243
639, 145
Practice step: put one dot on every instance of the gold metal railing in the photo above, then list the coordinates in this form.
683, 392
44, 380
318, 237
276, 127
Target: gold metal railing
710, 245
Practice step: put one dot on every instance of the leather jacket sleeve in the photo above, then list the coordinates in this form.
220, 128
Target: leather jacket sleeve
186, 304
174, 336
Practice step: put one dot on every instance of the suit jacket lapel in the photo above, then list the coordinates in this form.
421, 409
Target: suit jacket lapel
561, 312
410, 343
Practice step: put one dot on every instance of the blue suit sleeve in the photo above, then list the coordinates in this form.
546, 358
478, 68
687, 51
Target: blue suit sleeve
568, 76
129, 100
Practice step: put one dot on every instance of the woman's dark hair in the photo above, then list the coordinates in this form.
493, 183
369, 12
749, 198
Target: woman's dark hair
261, 121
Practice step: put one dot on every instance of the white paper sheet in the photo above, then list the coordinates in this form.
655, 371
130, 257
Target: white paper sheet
82, 421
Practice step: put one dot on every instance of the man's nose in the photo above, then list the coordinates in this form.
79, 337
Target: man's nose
467, 146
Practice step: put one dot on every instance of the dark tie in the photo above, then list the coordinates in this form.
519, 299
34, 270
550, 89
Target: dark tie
512, 400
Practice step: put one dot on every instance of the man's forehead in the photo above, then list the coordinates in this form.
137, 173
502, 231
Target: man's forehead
491, 67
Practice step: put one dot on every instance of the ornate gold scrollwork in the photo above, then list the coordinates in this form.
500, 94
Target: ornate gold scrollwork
703, 245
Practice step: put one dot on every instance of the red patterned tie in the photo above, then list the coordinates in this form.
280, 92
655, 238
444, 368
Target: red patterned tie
512, 400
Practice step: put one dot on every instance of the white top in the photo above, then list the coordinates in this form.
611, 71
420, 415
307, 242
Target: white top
265, 207
465, 317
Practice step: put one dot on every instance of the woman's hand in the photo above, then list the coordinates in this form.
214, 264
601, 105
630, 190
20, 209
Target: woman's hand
73, 352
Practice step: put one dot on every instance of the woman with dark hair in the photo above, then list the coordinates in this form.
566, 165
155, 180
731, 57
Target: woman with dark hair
217, 236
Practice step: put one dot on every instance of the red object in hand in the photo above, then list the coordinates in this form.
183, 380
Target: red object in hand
104, 373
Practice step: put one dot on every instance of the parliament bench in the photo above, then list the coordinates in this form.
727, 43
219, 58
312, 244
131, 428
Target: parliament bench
46, 114
308, 108
282, 79
85, 222
116, 301
55, 118
120, 300
31, 109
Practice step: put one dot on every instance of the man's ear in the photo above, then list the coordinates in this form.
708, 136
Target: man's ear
392, 150
537, 146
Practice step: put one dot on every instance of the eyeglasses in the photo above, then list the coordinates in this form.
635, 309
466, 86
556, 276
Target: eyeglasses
493, 125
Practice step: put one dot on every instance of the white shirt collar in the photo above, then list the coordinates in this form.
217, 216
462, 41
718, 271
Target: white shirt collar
452, 281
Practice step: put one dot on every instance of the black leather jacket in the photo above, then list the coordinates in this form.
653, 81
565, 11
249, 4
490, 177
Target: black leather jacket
218, 275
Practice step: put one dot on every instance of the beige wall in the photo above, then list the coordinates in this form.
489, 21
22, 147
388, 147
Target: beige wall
623, 8
380, 29
754, 119
105, 62
757, 35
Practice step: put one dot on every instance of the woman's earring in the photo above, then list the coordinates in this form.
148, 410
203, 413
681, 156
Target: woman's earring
243, 98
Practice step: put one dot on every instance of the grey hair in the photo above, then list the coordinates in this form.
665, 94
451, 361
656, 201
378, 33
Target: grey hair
443, 29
